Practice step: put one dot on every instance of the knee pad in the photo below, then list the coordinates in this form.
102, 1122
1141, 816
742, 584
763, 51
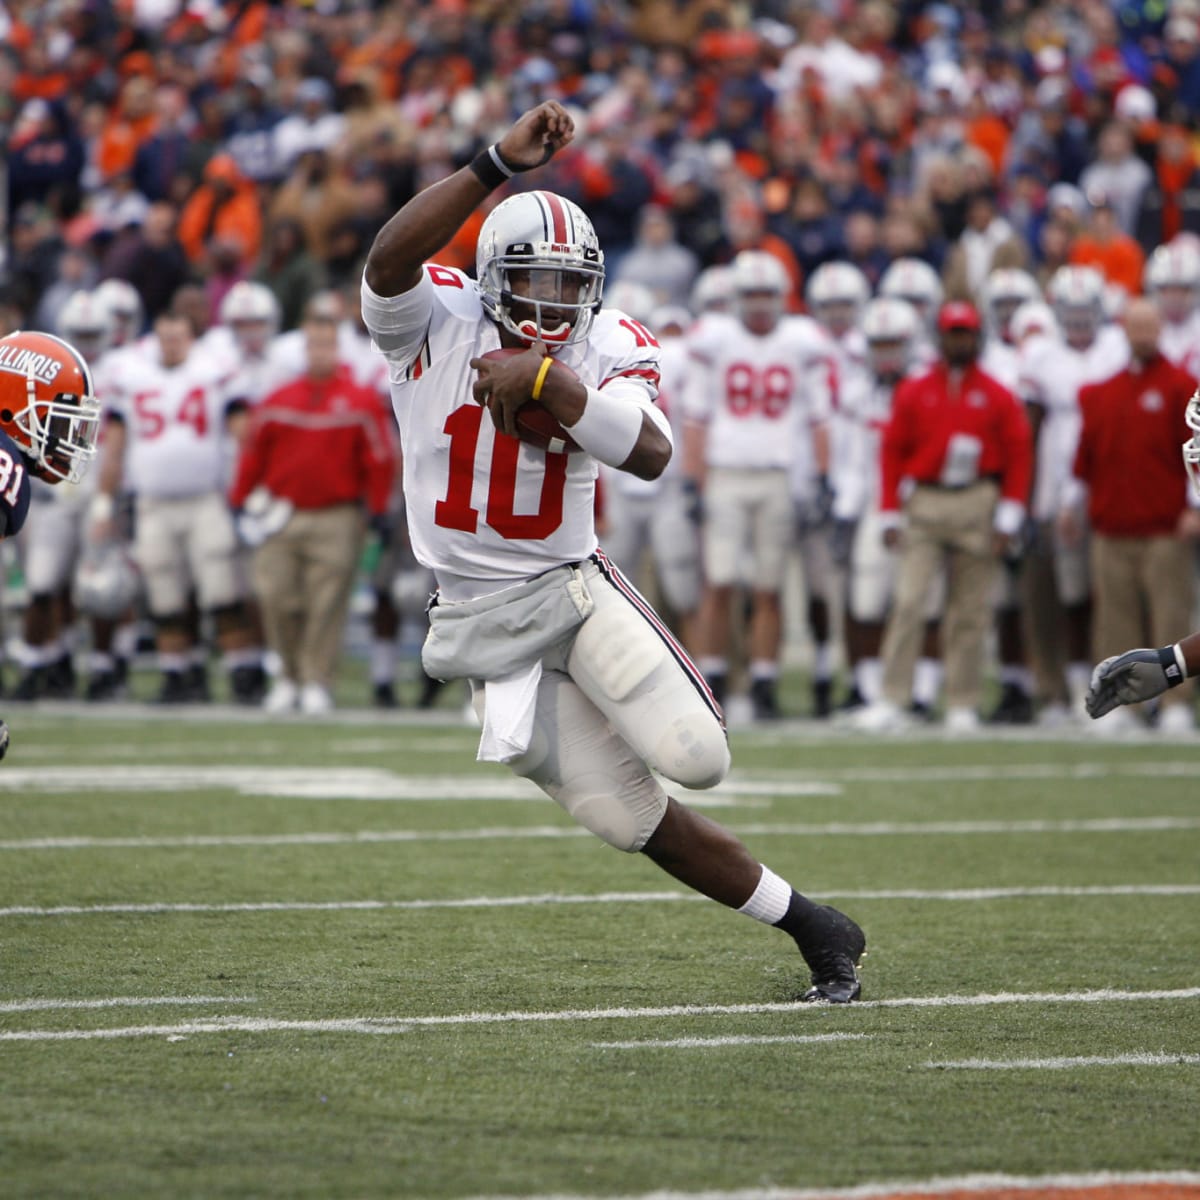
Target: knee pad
624, 822
693, 751
618, 650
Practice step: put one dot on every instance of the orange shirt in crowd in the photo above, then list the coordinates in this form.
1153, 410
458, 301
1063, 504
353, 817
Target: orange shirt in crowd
1119, 260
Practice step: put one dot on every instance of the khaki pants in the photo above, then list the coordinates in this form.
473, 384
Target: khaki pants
951, 529
1143, 590
304, 576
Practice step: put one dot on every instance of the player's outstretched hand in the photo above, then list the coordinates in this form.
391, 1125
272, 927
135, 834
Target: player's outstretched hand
537, 136
1128, 678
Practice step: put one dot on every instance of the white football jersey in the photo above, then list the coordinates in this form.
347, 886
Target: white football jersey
1180, 342
481, 506
174, 421
866, 409
1051, 375
759, 396
1002, 362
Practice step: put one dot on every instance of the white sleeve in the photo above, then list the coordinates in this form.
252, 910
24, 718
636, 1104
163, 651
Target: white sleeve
398, 324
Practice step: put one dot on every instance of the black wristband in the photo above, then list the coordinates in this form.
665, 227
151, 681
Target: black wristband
1170, 666
490, 168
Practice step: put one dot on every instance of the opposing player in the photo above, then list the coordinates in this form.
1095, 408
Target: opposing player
49, 421
1139, 675
574, 678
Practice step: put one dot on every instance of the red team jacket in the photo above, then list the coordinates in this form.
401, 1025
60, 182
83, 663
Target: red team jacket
928, 411
1128, 451
318, 443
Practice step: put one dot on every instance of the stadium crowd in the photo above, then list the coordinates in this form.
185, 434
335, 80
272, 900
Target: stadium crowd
192, 188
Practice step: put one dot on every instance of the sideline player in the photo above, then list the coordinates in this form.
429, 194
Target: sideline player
575, 679
49, 421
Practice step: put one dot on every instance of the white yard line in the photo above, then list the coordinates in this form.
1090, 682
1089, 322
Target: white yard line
374, 1025
536, 832
555, 898
705, 1043
1066, 1064
45, 1005
907, 1187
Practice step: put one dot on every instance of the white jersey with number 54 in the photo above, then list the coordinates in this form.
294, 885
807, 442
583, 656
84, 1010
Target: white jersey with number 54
483, 506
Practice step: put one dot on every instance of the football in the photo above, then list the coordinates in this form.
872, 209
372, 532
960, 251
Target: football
536, 425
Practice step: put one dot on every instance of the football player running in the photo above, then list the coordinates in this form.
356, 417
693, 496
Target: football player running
577, 684
1143, 674
49, 421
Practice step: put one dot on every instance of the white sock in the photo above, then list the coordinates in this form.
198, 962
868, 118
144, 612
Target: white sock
770, 900
927, 681
101, 662
868, 676
383, 660
764, 668
248, 656
125, 640
32, 657
172, 662
1016, 676
711, 665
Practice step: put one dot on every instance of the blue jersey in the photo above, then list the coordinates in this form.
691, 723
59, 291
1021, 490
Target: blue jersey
14, 487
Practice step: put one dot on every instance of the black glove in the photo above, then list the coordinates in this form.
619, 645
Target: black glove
693, 502
1132, 677
841, 541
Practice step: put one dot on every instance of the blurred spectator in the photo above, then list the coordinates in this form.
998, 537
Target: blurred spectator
318, 197
312, 126
224, 205
74, 271
811, 228
657, 261
158, 167
289, 270
153, 261
1118, 173
972, 257
746, 229
317, 453
862, 245
44, 159
252, 125
1103, 244
34, 248
1171, 201
1141, 536
1048, 137
695, 207
1182, 44
127, 129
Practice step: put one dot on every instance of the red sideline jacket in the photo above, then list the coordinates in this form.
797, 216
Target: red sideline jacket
318, 443
1129, 449
929, 410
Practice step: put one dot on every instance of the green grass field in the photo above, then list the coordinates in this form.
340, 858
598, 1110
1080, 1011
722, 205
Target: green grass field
343, 960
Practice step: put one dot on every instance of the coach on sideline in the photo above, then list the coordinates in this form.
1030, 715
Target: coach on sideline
1131, 477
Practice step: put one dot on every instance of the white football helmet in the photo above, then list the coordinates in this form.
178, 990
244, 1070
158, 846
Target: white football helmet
760, 289
632, 299
1172, 279
891, 327
1077, 296
85, 321
1191, 448
836, 294
914, 280
539, 268
712, 291
125, 305
252, 314
106, 581
1004, 291
1032, 317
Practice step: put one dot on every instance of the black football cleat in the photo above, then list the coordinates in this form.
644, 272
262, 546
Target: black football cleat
822, 690
764, 700
1014, 708
383, 695
834, 959
174, 689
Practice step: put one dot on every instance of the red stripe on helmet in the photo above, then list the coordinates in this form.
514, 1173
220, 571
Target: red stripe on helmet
558, 215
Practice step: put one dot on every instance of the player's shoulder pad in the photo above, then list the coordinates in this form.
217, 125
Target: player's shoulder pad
626, 349
454, 291
15, 487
